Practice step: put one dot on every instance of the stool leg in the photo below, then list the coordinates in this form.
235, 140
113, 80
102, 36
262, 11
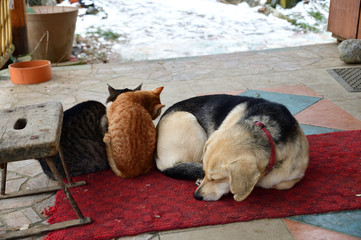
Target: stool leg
65, 166
55, 171
3, 168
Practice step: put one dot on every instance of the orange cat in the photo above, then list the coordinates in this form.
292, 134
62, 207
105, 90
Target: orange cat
131, 137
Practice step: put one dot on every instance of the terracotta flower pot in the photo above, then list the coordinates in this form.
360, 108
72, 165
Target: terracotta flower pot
30, 72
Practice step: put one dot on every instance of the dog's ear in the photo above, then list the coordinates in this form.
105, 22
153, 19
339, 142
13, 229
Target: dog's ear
243, 176
208, 142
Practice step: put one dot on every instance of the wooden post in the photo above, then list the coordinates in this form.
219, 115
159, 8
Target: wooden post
19, 28
65, 166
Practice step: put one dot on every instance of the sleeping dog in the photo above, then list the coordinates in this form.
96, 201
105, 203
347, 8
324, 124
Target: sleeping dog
234, 143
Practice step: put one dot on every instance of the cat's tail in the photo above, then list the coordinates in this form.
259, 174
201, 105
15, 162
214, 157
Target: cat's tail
186, 170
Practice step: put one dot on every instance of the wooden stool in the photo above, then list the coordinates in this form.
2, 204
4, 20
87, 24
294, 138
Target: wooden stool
34, 132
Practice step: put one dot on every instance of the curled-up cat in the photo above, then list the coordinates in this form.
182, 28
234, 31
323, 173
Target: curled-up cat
131, 137
83, 129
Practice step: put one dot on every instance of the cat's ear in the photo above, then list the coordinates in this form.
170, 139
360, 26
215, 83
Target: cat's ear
111, 89
157, 110
138, 88
158, 90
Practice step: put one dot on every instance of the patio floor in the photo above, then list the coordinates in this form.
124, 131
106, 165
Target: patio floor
289, 74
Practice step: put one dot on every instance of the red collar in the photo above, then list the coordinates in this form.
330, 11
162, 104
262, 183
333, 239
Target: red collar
272, 160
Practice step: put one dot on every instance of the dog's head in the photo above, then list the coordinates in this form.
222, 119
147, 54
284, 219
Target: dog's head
229, 166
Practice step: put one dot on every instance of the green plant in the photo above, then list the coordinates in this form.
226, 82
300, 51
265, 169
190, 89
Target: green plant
304, 26
33, 2
308, 27
317, 15
29, 10
106, 34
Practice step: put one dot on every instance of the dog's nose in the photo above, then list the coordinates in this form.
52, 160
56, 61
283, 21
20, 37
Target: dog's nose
197, 196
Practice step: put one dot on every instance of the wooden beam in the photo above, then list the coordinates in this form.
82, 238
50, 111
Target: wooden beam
42, 229
40, 190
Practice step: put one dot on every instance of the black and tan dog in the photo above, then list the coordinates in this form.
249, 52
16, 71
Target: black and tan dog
234, 143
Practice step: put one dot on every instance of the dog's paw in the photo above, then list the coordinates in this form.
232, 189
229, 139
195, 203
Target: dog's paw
199, 181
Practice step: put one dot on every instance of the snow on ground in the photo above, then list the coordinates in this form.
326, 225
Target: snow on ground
157, 29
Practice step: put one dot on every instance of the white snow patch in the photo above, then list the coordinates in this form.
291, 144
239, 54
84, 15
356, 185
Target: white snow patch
157, 29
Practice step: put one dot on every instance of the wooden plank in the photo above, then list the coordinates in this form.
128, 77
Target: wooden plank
42, 229
344, 18
359, 24
30, 132
40, 190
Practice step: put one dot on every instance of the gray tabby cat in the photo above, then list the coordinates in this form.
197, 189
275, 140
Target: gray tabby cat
84, 126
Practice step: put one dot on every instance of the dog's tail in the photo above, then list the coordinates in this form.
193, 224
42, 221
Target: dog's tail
186, 170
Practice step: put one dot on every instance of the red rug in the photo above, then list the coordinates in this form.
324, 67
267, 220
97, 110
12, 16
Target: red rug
154, 202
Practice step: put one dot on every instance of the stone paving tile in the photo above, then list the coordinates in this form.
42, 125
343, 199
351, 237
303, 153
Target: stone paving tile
298, 90
31, 215
146, 236
46, 203
122, 82
40, 181
14, 166
303, 231
212, 85
15, 184
294, 103
268, 80
2, 227
326, 114
309, 130
174, 92
12, 175
322, 50
265, 229
21, 202
34, 238
82, 96
352, 106
16, 219
28, 167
